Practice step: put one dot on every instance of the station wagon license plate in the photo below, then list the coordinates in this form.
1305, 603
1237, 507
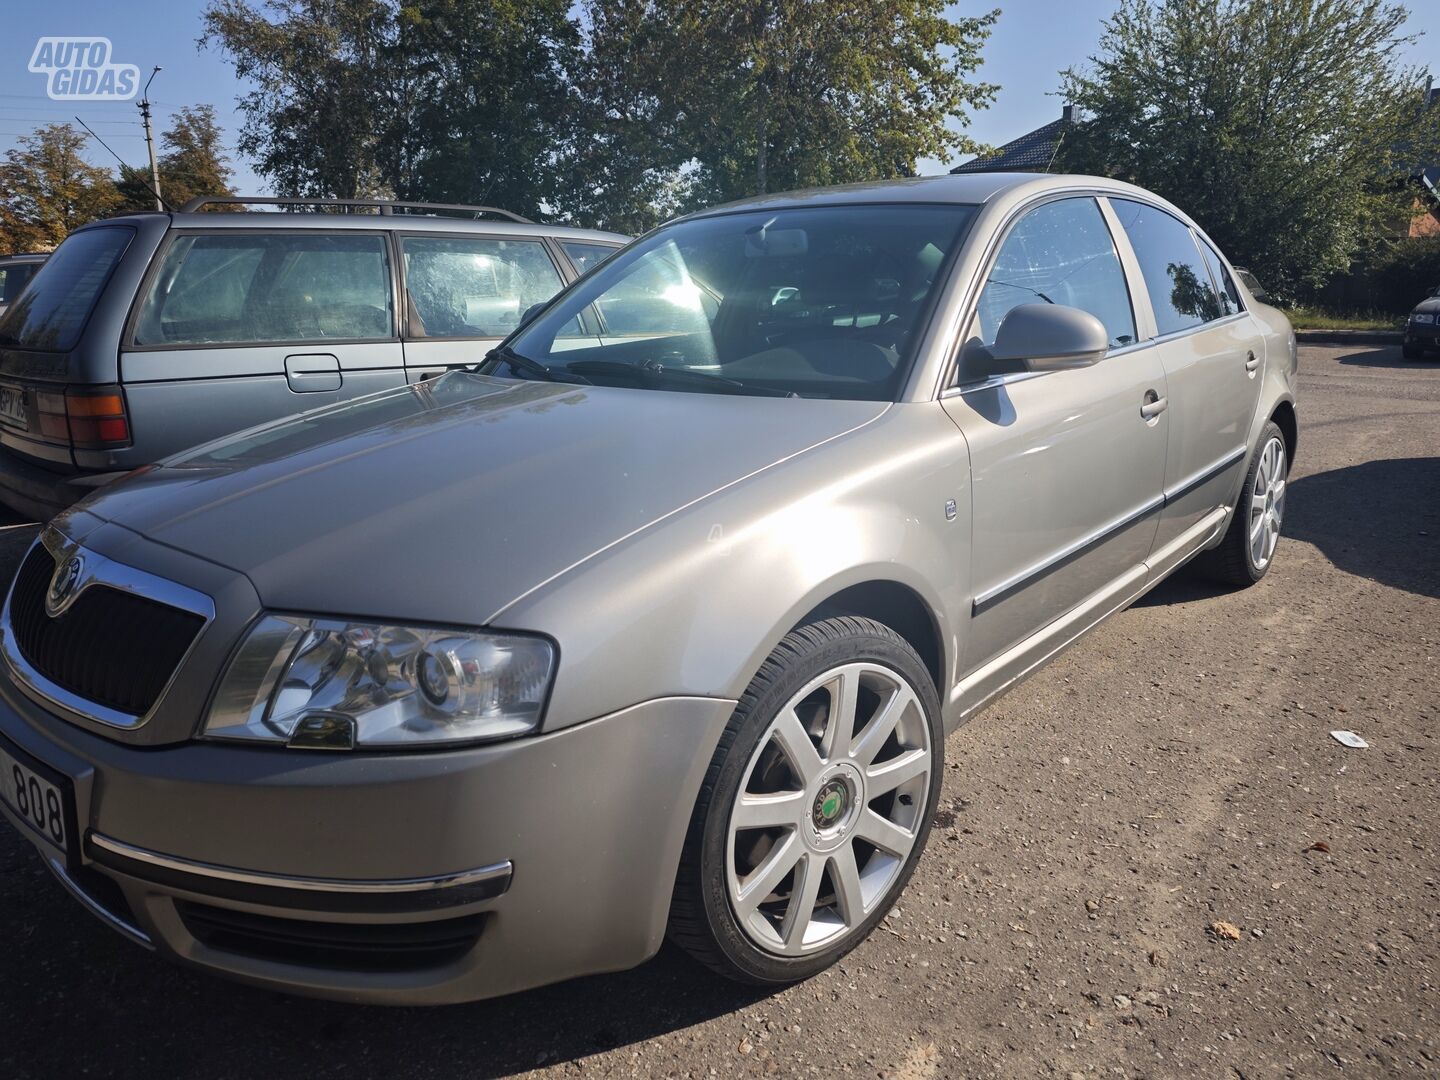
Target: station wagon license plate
12, 405
37, 796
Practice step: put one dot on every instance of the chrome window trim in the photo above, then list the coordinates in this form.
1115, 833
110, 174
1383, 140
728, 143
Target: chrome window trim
101, 570
458, 879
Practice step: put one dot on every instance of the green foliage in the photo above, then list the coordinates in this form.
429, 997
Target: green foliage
1304, 317
622, 112
1287, 128
192, 162
47, 189
1405, 271
693, 102
445, 100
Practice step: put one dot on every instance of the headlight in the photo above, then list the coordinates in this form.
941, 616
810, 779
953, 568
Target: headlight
1421, 316
332, 684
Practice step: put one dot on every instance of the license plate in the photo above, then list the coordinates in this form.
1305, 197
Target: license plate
37, 796
12, 405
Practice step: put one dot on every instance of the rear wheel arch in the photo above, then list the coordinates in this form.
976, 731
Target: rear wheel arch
1283, 416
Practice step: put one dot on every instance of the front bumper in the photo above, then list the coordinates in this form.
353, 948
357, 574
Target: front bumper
417, 878
1423, 335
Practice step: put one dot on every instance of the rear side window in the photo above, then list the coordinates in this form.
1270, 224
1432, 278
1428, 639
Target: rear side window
587, 256
13, 279
51, 315
1059, 253
258, 288
1228, 296
461, 287
1175, 275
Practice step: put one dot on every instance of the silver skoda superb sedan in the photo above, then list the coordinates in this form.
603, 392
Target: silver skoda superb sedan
654, 620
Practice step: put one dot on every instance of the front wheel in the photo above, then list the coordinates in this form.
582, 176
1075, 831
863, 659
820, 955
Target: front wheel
1248, 549
816, 805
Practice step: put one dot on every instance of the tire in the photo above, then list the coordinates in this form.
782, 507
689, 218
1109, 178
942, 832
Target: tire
1412, 352
1238, 560
828, 811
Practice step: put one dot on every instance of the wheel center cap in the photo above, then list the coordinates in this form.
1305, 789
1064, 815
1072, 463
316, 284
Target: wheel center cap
830, 804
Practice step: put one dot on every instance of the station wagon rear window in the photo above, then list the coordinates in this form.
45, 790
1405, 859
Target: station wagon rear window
258, 288
51, 314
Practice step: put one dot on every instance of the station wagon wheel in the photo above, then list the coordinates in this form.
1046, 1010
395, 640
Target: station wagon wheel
1248, 548
817, 807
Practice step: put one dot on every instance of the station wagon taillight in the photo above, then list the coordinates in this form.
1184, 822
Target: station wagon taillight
89, 419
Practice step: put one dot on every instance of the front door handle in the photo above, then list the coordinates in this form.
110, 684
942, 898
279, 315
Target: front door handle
1154, 405
1252, 364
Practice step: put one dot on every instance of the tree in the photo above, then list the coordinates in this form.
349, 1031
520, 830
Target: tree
324, 91
703, 102
47, 189
1285, 127
442, 100
192, 162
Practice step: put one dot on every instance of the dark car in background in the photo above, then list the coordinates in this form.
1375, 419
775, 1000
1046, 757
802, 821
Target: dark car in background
1422, 328
145, 335
15, 273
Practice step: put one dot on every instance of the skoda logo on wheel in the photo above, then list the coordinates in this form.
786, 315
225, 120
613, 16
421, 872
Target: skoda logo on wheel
63, 585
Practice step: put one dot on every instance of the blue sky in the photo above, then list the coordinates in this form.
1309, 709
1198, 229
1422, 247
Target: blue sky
1033, 40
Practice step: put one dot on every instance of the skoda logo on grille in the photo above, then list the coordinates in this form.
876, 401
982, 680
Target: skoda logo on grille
64, 584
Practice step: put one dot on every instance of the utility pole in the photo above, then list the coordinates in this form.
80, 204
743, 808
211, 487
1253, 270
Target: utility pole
144, 106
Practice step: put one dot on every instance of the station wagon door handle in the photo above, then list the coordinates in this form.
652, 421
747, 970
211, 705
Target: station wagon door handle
1153, 405
1251, 363
312, 373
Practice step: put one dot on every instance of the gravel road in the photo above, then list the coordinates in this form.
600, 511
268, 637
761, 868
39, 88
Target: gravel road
1173, 771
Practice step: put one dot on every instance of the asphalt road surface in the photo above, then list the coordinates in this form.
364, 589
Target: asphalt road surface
1172, 771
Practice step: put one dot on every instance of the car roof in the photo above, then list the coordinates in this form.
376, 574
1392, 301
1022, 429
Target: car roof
961, 188
252, 219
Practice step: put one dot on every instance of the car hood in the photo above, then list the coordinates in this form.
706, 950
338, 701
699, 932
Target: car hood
1431, 305
446, 501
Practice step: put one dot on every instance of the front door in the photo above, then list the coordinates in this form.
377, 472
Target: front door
1207, 344
1067, 470
238, 327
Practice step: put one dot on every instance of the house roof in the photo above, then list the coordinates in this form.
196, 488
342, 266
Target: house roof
1032, 152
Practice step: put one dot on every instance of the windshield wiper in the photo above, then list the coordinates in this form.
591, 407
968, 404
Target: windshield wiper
506, 355
660, 372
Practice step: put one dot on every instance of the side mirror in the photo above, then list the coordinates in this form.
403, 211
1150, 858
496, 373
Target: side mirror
530, 313
1048, 337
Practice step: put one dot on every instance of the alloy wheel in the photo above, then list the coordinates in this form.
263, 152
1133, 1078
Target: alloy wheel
1267, 503
830, 807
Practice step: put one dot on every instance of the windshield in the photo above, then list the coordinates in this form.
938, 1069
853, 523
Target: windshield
815, 302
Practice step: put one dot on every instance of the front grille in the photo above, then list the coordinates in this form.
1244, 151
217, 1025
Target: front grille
333, 946
111, 647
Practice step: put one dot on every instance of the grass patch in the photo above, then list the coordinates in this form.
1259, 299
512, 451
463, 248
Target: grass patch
1309, 318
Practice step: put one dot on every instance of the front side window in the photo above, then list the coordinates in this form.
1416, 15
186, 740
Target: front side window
1175, 275
258, 288
51, 314
468, 287
811, 302
1059, 253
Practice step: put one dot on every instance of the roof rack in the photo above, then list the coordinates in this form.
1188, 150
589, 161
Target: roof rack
385, 206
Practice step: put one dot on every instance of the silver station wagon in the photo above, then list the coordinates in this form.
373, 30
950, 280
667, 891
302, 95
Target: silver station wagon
655, 621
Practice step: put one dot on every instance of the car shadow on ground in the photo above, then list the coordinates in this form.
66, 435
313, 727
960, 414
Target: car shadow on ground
1379, 520
145, 1018
1382, 356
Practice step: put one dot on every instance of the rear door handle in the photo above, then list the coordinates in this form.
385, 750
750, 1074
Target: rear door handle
1153, 405
1252, 364
311, 373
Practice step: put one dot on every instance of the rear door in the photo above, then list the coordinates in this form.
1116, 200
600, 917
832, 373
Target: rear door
1208, 345
239, 326
464, 292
